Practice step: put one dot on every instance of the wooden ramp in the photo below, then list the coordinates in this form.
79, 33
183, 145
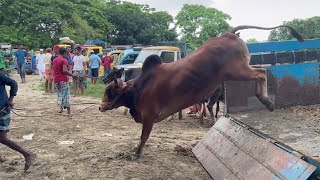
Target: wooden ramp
233, 150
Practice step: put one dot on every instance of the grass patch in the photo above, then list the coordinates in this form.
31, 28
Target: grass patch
95, 91
41, 86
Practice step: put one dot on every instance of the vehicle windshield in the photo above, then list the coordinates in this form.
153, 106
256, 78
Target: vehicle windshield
144, 54
121, 55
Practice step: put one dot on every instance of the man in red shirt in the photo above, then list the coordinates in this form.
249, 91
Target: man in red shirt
61, 80
106, 62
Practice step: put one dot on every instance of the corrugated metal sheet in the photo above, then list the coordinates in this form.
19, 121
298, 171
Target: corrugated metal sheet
233, 151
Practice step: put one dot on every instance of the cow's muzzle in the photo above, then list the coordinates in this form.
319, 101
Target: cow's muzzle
105, 107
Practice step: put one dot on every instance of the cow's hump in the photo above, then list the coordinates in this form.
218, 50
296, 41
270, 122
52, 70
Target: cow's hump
151, 62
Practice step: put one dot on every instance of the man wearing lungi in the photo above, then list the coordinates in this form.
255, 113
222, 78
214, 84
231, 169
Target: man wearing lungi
61, 80
6, 103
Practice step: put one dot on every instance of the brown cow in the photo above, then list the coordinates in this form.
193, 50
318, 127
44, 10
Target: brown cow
163, 89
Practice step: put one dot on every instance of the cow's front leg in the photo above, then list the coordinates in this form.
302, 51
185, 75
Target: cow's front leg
146, 130
180, 115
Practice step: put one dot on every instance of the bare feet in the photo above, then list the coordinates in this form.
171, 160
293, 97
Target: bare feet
29, 161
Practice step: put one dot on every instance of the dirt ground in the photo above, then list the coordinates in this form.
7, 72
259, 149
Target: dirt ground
102, 140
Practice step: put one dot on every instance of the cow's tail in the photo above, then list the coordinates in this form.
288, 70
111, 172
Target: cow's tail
151, 62
294, 32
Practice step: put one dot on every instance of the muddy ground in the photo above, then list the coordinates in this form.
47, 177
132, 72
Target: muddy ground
102, 140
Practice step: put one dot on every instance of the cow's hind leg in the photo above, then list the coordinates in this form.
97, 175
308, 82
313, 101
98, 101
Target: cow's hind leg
260, 75
262, 88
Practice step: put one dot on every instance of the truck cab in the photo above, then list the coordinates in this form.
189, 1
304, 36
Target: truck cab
168, 54
128, 56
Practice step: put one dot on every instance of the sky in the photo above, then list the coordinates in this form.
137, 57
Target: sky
265, 13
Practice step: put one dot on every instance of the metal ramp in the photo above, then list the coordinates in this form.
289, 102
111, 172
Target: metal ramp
234, 150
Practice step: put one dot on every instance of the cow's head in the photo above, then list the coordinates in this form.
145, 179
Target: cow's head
114, 95
115, 73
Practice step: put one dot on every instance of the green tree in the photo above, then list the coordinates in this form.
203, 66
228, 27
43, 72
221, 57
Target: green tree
136, 23
309, 28
198, 24
252, 40
40, 23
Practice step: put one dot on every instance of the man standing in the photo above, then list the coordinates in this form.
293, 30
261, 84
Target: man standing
48, 70
61, 80
69, 57
5, 105
106, 61
20, 55
79, 65
40, 64
95, 63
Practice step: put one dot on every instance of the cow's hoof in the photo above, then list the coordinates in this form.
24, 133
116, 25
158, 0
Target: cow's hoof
133, 157
267, 102
271, 107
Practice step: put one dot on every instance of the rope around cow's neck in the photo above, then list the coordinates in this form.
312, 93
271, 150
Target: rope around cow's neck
114, 100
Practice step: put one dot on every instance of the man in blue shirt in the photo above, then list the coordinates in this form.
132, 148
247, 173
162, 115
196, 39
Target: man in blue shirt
20, 57
95, 63
6, 103
69, 56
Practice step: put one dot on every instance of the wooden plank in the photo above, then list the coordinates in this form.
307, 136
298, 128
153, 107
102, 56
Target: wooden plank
231, 151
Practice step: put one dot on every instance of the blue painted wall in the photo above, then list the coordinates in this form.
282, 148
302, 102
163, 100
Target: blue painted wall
307, 72
283, 46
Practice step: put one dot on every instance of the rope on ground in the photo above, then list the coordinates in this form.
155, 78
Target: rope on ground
79, 111
25, 109
23, 115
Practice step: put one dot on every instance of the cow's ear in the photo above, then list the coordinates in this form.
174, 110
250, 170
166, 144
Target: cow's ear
116, 82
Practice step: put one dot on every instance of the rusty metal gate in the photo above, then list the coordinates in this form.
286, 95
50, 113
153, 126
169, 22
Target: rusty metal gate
293, 76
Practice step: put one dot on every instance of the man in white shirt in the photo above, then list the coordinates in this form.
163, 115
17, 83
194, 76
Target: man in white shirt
78, 69
48, 70
40, 64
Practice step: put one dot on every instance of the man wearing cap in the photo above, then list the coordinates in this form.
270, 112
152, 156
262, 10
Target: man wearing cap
48, 70
40, 64
94, 65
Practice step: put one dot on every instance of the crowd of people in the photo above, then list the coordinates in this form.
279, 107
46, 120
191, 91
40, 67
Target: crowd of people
55, 71
55, 67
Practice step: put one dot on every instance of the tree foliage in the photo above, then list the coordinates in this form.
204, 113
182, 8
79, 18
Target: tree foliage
40, 23
135, 23
198, 24
309, 28
252, 40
